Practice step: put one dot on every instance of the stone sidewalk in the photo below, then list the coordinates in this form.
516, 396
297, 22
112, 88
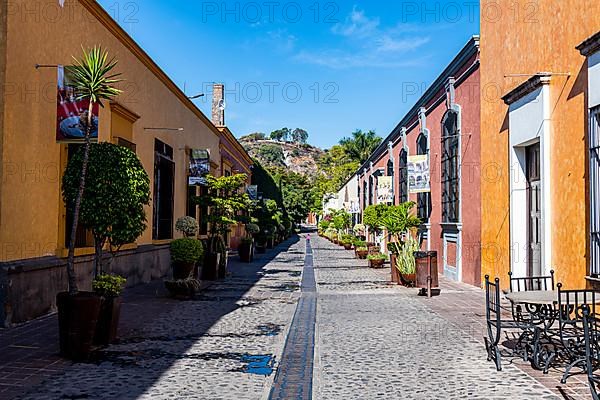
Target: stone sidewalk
377, 340
169, 348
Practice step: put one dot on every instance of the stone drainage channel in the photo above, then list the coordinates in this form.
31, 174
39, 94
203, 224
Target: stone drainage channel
294, 377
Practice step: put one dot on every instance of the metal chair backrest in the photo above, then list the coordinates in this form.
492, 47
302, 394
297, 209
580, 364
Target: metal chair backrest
571, 302
531, 282
591, 329
492, 299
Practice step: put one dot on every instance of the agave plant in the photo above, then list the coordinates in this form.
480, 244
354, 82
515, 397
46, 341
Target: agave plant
93, 80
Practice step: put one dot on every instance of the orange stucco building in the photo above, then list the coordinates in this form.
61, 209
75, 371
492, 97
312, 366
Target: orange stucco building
152, 116
538, 101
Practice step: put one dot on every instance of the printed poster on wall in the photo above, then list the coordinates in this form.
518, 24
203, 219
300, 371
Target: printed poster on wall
385, 193
252, 192
418, 174
69, 111
199, 166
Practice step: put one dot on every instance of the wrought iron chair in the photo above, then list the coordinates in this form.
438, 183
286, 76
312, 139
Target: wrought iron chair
571, 304
523, 284
496, 324
591, 331
532, 282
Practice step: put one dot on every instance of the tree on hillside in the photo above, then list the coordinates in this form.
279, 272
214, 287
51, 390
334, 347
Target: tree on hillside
281, 135
272, 154
299, 136
360, 145
254, 136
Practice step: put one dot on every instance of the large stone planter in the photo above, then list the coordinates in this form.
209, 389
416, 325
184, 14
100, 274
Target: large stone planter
77, 320
394, 273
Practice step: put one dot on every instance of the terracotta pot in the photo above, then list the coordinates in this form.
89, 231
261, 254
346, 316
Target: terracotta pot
348, 246
77, 320
108, 321
408, 279
362, 254
246, 252
394, 273
376, 263
183, 270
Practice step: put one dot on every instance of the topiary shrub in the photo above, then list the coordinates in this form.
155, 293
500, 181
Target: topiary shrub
188, 226
186, 250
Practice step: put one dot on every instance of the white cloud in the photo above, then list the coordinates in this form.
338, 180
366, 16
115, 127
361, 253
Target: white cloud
368, 44
357, 24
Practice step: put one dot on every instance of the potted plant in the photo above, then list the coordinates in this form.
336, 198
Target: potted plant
227, 203
372, 218
246, 247
362, 252
185, 254
113, 212
109, 287
401, 223
376, 260
94, 82
359, 231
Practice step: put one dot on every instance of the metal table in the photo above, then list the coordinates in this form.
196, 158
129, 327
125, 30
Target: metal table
541, 297
539, 308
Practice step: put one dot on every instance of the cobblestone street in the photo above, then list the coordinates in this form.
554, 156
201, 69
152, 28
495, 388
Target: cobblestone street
252, 336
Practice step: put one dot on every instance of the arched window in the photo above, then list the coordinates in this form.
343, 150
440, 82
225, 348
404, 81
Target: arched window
365, 199
423, 199
450, 168
403, 176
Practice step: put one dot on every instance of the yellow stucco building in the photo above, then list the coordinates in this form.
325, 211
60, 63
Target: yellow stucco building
152, 116
538, 114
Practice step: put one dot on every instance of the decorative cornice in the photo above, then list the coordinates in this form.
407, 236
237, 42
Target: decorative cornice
531, 84
230, 138
124, 112
590, 45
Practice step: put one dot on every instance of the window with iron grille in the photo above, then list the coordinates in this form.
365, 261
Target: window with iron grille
370, 190
403, 176
390, 172
365, 204
594, 141
423, 199
450, 164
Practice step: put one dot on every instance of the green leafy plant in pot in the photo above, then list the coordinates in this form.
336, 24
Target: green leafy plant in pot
372, 218
227, 203
362, 252
246, 247
93, 81
376, 260
186, 268
185, 254
401, 224
110, 288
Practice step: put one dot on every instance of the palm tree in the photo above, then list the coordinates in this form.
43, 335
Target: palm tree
361, 145
92, 80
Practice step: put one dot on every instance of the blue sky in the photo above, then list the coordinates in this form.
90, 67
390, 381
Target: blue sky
328, 67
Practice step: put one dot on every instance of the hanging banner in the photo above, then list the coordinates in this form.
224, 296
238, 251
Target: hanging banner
385, 194
199, 166
72, 112
354, 206
418, 174
252, 192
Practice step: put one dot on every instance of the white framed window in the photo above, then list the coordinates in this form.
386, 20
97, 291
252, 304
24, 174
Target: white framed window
594, 144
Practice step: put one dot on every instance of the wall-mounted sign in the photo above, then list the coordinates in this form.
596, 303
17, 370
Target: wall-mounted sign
252, 192
199, 166
71, 116
418, 174
385, 193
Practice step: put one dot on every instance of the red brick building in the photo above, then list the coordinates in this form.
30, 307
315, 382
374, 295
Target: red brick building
444, 125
